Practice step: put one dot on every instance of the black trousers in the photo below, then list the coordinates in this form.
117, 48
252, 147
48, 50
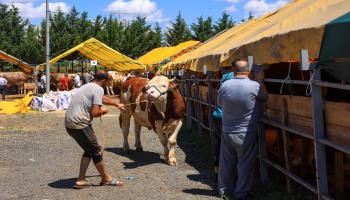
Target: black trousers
217, 140
87, 140
3, 91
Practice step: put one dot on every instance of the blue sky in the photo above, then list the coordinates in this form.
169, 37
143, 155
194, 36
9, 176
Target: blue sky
161, 11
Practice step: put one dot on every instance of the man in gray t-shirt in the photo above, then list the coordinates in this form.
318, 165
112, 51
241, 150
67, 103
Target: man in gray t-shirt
84, 106
240, 99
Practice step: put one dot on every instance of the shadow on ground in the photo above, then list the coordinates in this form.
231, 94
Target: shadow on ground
198, 154
65, 183
139, 159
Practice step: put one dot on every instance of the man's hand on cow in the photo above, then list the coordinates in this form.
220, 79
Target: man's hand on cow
104, 111
120, 106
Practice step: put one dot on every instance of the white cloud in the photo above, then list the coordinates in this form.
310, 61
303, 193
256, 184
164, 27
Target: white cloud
28, 10
231, 9
133, 8
261, 7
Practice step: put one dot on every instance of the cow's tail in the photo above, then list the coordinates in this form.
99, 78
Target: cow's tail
120, 121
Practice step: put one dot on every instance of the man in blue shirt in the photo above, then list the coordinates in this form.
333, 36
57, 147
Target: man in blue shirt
241, 101
217, 122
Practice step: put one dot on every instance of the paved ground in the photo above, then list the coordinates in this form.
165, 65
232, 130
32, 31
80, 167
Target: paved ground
38, 160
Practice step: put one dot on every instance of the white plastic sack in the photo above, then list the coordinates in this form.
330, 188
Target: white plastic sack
48, 104
36, 103
64, 99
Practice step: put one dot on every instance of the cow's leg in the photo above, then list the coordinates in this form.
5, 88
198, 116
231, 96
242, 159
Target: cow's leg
164, 141
125, 124
172, 142
138, 144
107, 89
111, 87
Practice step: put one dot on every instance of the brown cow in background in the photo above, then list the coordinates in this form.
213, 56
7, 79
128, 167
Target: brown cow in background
55, 81
15, 78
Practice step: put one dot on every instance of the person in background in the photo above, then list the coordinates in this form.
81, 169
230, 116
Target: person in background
3, 86
86, 105
64, 82
87, 77
42, 83
217, 122
241, 101
77, 82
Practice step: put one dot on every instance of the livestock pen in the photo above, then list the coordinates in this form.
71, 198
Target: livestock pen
303, 134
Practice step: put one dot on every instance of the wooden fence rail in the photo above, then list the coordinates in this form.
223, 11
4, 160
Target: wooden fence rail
194, 113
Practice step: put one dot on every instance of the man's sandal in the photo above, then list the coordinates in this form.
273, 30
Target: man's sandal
81, 186
113, 182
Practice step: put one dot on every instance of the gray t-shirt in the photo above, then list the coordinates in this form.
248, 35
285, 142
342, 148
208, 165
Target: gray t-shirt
78, 114
238, 98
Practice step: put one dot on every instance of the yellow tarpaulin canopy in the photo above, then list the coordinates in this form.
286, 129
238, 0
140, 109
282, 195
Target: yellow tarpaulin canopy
158, 55
16, 106
105, 56
273, 38
23, 65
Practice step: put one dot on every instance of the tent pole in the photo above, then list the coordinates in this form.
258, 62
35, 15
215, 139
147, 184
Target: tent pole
47, 48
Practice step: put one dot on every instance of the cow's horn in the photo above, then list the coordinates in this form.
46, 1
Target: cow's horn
172, 80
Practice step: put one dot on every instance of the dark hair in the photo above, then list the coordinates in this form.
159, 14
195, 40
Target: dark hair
101, 75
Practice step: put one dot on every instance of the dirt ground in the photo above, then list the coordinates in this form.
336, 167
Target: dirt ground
38, 160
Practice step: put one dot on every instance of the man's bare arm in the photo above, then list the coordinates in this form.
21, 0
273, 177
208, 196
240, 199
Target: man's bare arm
112, 102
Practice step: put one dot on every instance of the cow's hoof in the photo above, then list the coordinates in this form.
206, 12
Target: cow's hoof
172, 162
126, 150
139, 149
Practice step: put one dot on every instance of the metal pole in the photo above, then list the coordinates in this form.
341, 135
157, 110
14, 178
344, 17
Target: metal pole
47, 48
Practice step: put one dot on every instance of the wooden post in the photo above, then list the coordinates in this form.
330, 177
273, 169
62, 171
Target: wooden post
339, 175
319, 132
198, 112
210, 101
286, 144
187, 85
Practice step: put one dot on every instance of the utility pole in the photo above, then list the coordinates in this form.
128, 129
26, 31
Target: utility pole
47, 48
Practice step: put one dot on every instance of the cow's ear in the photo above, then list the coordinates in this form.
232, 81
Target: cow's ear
144, 89
173, 86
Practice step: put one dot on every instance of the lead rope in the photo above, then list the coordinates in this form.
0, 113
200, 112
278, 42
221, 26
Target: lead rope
287, 78
309, 88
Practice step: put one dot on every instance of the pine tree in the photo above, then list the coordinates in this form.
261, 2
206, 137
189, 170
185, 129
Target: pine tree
137, 38
225, 22
31, 49
156, 37
12, 29
203, 30
179, 32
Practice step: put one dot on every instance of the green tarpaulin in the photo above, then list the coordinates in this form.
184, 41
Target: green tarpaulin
335, 50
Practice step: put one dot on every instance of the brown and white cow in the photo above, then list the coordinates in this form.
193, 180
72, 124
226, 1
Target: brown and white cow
15, 78
114, 81
156, 104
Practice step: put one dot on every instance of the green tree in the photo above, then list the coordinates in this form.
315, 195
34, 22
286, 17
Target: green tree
203, 30
12, 29
179, 32
138, 37
225, 22
31, 49
111, 32
156, 37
